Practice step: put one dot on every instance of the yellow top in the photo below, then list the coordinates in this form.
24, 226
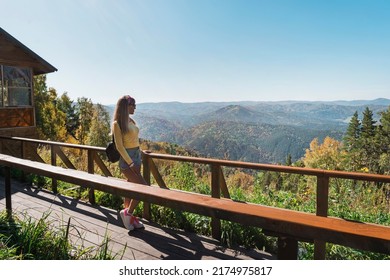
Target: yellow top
126, 141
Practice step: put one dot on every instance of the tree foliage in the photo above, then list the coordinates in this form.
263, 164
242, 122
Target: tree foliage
66, 105
58, 118
367, 144
99, 132
324, 156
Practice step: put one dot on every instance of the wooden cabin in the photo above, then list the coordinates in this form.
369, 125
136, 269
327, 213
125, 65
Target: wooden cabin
18, 65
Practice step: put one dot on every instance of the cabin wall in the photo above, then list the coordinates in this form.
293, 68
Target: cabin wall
15, 148
16, 117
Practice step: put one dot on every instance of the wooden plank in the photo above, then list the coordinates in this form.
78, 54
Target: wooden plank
156, 174
101, 165
223, 186
63, 157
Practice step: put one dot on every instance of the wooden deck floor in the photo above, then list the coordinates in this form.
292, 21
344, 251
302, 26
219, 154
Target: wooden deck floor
90, 224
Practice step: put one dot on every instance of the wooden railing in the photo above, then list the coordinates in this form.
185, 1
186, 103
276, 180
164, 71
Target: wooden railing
27, 149
218, 187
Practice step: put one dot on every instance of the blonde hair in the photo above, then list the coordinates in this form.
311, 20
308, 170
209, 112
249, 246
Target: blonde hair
121, 113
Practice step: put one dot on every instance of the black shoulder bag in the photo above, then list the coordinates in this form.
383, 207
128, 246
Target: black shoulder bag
111, 151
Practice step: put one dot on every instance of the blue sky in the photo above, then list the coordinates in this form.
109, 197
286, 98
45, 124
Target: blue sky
209, 50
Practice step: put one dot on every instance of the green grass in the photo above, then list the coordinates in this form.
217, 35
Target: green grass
23, 238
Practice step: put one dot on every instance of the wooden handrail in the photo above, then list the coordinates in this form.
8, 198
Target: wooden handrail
276, 168
53, 143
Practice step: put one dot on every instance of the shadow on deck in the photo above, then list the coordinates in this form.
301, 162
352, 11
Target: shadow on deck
91, 224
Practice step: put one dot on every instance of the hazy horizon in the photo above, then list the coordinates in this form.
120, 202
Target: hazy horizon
387, 100
209, 50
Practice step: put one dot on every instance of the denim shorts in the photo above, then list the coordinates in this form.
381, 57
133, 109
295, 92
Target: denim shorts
135, 155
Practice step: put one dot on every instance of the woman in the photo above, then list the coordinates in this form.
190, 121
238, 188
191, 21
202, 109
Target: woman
126, 138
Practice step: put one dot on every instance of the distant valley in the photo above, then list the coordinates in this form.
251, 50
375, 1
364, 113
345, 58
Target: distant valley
249, 131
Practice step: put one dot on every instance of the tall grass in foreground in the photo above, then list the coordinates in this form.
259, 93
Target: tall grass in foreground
28, 239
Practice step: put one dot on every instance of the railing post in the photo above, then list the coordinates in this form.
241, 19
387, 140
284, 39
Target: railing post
7, 182
322, 210
146, 174
91, 193
53, 162
287, 248
23, 156
216, 193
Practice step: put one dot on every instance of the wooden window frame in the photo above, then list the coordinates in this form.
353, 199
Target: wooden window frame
4, 89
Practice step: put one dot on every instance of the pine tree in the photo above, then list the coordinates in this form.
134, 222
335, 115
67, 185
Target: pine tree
370, 151
66, 105
368, 124
352, 136
288, 160
352, 144
384, 142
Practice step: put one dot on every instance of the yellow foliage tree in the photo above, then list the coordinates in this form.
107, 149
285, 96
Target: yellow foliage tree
327, 155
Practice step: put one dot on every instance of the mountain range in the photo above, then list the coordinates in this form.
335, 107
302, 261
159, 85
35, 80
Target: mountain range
252, 131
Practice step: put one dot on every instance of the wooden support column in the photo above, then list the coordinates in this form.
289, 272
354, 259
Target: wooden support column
216, 193
7, 182
53, 162
287, 248
146, 162
322, 210
23, 156
91, 192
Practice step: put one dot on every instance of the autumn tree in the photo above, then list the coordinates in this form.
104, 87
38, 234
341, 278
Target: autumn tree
50, 120
84, 109
324, 156
99, 133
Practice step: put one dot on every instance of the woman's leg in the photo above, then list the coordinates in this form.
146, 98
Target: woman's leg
134, 176
130, 221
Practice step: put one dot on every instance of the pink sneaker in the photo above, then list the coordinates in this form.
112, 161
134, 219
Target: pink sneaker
126, 219
130, 222
136, 222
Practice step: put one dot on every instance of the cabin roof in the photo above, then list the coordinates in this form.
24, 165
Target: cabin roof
14, 53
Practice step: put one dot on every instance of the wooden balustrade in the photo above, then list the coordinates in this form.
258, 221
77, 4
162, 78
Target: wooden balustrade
218, 183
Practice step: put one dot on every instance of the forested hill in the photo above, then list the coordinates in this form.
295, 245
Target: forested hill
249, 131
252, 142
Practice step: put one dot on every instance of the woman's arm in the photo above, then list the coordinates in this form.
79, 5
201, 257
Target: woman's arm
119, 144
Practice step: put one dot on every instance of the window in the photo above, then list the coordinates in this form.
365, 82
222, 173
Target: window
15, 86
1, 86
